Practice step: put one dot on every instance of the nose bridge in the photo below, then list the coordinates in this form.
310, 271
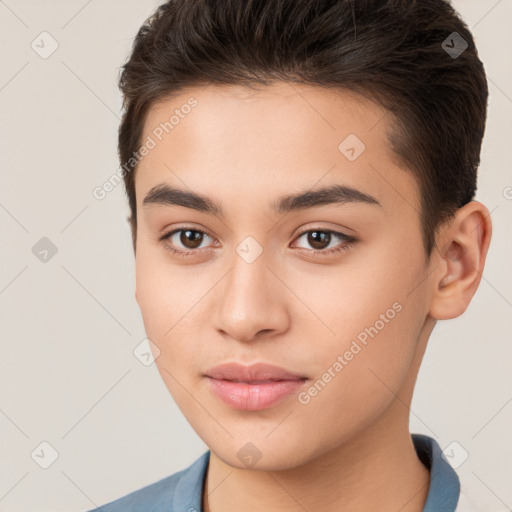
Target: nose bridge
250, 299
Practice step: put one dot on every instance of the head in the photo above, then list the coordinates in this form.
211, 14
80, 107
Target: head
301, 176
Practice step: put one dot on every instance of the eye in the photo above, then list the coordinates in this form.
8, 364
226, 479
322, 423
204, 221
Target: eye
187, 241
320, 240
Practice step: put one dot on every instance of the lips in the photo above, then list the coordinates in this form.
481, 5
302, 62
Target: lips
253, 388
258, 373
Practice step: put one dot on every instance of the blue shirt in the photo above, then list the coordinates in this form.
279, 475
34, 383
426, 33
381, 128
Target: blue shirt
182, 491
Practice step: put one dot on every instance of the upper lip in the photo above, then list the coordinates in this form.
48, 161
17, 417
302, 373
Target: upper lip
254, 372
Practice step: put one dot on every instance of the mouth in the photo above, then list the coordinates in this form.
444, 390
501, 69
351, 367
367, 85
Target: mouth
256, 387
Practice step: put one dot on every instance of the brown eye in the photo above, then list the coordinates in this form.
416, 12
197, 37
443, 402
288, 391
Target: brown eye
190, 238
185, 241
318, 239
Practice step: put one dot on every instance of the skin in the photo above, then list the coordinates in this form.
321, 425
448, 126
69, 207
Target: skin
349, 448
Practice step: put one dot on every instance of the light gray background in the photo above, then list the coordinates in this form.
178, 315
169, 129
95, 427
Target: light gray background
69, 326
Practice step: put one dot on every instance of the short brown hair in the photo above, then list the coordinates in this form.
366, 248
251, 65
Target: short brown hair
390, 51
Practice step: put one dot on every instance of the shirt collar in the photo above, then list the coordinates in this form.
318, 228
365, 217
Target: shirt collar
443, 492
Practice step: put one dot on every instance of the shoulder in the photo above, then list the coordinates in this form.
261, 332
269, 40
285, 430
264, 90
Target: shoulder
184, 486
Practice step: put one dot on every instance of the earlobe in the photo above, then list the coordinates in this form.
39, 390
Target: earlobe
461, 259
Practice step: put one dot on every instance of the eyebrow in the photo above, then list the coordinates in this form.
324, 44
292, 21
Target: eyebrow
166, 195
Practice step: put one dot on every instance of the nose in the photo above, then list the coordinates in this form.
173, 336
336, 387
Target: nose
251, 301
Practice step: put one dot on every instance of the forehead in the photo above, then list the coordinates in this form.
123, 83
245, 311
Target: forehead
278, 138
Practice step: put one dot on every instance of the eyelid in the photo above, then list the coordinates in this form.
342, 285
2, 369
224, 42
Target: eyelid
327, 229
321, 226
185, 227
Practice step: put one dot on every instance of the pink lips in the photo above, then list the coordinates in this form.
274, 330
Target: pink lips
255, 387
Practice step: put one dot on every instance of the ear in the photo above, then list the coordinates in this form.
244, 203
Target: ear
460, 260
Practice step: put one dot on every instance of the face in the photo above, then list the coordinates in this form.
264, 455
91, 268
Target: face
331, 287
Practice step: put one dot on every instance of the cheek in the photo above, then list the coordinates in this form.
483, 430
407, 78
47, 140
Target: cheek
367, 377
376, 314
163, 301
162, 291
361, 298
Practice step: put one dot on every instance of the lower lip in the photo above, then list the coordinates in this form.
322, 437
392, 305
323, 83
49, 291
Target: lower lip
253, 397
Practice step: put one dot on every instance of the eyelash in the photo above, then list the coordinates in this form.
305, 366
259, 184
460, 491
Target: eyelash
348, 242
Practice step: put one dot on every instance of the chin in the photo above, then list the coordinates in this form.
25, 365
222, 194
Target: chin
259, 453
